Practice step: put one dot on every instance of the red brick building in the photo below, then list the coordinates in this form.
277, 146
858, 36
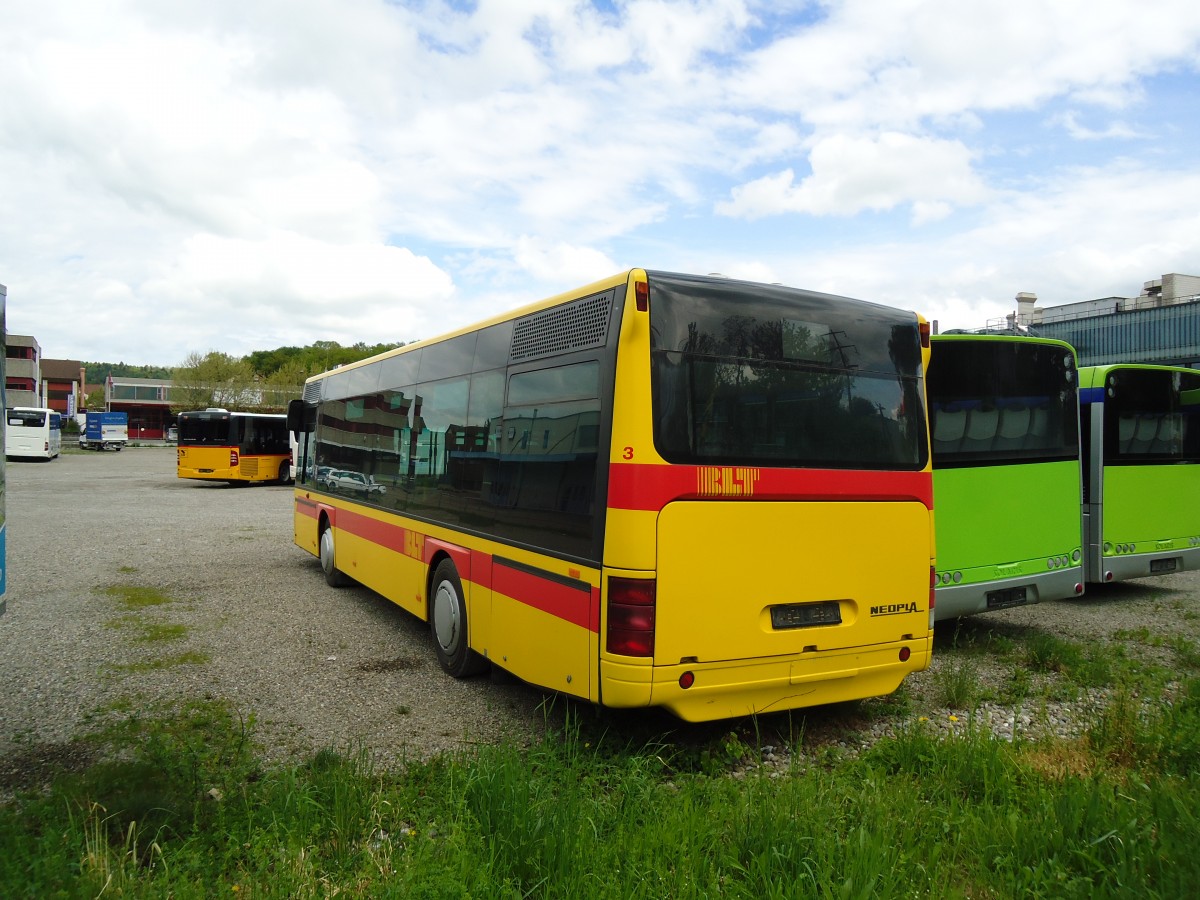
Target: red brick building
63, 385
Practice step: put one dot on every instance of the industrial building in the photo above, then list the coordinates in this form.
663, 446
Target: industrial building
1161, 325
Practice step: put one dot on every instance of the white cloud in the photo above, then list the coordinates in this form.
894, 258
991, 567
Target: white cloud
557, 261
1116, 129
850, 175
313, 171
1089, 235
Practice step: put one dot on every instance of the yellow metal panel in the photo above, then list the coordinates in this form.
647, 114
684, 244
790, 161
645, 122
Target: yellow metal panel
629, 539
541, 648
723, 565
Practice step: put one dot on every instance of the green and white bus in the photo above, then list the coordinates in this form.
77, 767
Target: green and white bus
1141, 462
1004, 416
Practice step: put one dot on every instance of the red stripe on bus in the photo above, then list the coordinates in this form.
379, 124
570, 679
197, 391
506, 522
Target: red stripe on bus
643, 486
563, 602
385, 534
572, 605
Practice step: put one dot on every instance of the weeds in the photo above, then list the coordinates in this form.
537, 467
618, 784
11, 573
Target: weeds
133, 596
180, 805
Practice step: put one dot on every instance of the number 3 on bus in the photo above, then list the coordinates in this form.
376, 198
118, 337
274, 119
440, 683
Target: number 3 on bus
703, 494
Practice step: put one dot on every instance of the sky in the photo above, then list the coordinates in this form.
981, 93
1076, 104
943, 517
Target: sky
180, 178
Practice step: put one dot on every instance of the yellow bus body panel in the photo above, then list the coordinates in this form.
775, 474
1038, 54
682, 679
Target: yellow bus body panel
212, 463
762, 686
531, 643
723, 565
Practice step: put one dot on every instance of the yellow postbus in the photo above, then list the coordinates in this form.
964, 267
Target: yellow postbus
238, 447
696, 493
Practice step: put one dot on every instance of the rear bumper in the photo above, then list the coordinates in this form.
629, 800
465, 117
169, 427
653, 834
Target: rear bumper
731, 689
1143, 565
957, 600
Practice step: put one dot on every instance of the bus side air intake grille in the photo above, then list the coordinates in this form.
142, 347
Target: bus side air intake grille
312, 392
578, 325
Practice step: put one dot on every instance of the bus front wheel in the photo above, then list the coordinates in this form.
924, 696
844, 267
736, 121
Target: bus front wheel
333, 577
448, 622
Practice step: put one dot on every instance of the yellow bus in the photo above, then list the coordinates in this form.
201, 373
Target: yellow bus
238, 447
707, 495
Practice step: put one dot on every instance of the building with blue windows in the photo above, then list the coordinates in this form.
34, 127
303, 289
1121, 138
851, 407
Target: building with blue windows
1160, 326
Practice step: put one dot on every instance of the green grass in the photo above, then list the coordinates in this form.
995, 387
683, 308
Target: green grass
179, 804
178, 801
187, 658
148, 632
135, 596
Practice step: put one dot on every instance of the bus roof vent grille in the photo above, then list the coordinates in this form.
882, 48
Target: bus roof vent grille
578, 325
312, 392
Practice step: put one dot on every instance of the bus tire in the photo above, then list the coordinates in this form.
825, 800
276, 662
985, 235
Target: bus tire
285, 473
333, 576
448, 622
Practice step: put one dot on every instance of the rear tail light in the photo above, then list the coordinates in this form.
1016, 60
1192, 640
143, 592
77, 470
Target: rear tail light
233, 459
925, 330
631, 616
933, 580
641, 292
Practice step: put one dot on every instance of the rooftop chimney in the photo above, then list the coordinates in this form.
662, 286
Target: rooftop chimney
1025, 304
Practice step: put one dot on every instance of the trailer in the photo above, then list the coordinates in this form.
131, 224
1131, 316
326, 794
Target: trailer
105, 431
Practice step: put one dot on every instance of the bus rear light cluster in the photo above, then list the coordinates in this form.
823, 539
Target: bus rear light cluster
233, 459
631, 607
1076, 555
1126, 548
1194, 542
641, 291
947, 577
1058, 562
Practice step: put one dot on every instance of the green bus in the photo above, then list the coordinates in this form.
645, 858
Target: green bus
1141, 463
1004, 415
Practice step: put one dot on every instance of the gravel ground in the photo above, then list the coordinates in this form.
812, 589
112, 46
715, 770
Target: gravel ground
319, 667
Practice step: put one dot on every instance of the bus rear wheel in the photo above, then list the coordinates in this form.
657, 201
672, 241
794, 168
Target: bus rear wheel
333, 576
448, 622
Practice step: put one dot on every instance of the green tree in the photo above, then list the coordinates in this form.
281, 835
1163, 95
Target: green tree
214, 379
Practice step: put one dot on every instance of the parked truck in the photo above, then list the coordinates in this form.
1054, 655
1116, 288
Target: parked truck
105, 431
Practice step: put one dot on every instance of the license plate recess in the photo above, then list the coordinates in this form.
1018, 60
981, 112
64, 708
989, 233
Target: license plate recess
1001, 599
806, 615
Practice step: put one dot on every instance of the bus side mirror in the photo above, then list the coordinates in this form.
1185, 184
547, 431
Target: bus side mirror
300, 417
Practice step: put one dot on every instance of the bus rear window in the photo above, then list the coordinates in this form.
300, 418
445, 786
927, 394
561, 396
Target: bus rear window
997, 401
202, 430
1151, 416
26, 419
782, 377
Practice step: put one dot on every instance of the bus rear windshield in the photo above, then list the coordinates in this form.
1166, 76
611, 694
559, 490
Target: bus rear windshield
24, 418
751, 374
202, 431
1151, 416
993, 402
250, 434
